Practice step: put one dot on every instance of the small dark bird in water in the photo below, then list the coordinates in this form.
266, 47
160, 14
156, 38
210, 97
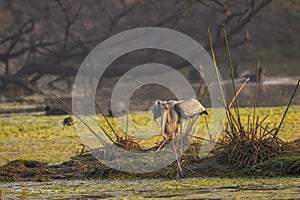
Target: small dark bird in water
54, 111
68, 121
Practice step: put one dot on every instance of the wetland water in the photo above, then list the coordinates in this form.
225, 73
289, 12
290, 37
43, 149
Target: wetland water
274, 91
207, 188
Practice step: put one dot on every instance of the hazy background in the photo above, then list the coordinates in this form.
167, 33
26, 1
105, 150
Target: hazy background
42, 43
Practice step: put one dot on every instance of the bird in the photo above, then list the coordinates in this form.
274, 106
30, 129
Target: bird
174, 113
68, 121
54, 111
259, 77
171, 122
159, 109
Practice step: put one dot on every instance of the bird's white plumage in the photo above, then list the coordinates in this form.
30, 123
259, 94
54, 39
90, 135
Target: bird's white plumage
184, 108
189, 108
157, 109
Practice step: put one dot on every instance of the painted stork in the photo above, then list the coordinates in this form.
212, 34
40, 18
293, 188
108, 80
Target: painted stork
174, 113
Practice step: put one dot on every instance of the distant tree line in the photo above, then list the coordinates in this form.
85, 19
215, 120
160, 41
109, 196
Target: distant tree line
50, 38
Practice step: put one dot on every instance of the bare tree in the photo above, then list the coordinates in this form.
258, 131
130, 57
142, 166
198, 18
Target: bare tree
235, 15
52, 37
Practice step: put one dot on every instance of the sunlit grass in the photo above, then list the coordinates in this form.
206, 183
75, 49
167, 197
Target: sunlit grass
16, 105
43, 138
37, 137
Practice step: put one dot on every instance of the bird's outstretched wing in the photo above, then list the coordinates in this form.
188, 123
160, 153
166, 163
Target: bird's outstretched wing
189, 108
158, 110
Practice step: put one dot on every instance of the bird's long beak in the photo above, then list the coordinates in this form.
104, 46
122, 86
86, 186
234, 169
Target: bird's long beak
204, 112
163, 122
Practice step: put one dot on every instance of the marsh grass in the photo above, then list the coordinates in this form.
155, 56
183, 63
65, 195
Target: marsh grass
43, 138
119, 138
244, 142
248, 138
247, 143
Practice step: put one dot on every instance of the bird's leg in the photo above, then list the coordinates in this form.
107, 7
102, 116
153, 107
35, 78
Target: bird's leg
181, 126
163, 124
181, 135
165, 137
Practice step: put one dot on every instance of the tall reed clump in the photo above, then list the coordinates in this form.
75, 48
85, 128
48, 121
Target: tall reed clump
246, 143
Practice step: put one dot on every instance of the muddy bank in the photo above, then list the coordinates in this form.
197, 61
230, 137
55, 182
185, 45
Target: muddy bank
86, 167
189, 188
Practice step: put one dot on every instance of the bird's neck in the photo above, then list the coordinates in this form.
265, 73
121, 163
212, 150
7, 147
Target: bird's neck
168, 115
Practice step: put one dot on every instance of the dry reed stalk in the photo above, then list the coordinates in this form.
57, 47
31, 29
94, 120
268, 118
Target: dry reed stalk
93, 132
244, 146
287, 108
107, 121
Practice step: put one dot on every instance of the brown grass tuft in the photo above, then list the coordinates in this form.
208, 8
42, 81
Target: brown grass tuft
242, 147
